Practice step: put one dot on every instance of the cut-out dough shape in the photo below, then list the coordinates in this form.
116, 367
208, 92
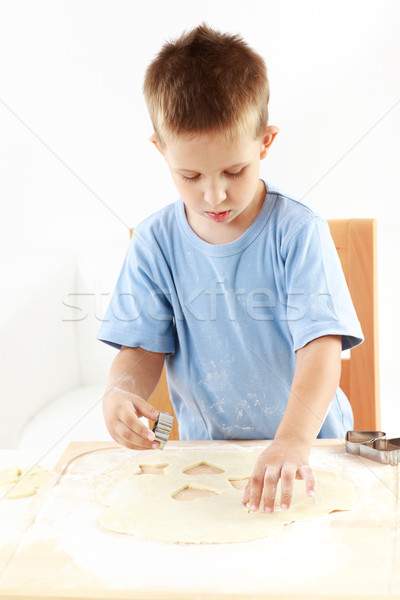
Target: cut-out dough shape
144, 506
203, 468
239, 484
17, 483
152, 469
190, 492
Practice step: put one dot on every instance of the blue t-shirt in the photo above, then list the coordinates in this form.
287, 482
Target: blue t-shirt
230, 317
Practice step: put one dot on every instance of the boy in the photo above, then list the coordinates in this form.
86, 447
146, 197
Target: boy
237, 286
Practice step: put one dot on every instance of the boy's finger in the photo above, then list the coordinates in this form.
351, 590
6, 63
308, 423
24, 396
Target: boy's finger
308, 475
133, 439
255, 487
127, 444
288, 473
270, 484
246, 494
145, 409
132, 422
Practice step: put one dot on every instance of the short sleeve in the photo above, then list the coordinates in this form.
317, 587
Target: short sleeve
139, 312
318, 301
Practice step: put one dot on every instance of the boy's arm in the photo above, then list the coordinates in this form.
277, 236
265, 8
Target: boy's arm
133, 377
315, 380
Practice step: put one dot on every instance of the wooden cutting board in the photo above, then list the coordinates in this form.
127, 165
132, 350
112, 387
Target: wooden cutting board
61, 551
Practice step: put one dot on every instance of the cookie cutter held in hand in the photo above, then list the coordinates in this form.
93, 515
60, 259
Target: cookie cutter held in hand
374, 445
162, 428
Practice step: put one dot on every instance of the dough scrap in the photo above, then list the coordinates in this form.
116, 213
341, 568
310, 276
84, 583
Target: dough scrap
21, 489
144, 505
21, 483
9, 475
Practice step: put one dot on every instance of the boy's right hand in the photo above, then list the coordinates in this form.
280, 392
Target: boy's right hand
122, 411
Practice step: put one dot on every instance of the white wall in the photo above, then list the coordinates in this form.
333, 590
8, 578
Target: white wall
75, 161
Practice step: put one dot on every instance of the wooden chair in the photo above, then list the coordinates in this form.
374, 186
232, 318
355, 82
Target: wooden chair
355, 241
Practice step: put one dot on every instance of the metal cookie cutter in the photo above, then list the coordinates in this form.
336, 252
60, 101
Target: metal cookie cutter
162, 428
374, 445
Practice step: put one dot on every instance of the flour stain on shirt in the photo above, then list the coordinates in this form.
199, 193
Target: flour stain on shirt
272, 410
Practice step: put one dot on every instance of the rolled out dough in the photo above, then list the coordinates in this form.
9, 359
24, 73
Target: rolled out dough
144, 505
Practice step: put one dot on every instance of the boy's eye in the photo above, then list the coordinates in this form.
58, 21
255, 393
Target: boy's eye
237, 174
190, 179
231, 175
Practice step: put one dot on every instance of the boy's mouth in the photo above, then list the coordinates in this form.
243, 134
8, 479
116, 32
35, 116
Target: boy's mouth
220, 216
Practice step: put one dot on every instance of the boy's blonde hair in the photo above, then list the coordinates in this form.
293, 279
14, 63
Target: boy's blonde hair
204, 82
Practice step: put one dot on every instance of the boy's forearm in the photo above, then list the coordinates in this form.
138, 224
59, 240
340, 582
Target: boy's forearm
136, 371
316, 378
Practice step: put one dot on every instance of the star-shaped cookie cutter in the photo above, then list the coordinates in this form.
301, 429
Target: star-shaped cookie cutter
162, 428
374, 445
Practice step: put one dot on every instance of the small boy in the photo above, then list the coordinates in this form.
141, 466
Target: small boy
237, 286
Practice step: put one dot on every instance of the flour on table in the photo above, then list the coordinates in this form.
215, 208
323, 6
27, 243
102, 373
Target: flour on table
159, 507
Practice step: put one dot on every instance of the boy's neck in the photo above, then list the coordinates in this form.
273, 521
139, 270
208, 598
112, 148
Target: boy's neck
219, 233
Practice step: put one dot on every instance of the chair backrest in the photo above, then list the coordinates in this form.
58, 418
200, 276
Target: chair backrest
356, 244
355, 241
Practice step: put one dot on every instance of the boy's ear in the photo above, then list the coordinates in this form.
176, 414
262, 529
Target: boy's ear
154, 140
270, 134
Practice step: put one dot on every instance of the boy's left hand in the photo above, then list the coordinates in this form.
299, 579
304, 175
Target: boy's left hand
281, 460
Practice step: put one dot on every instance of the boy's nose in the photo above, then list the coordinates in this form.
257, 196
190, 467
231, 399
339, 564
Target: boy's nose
214, 196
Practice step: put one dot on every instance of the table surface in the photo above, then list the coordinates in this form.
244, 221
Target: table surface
51, 545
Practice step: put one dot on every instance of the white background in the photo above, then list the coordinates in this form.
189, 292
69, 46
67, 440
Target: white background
76, 165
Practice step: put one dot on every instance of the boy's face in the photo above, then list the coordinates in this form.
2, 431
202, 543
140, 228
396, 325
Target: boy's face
218, 182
